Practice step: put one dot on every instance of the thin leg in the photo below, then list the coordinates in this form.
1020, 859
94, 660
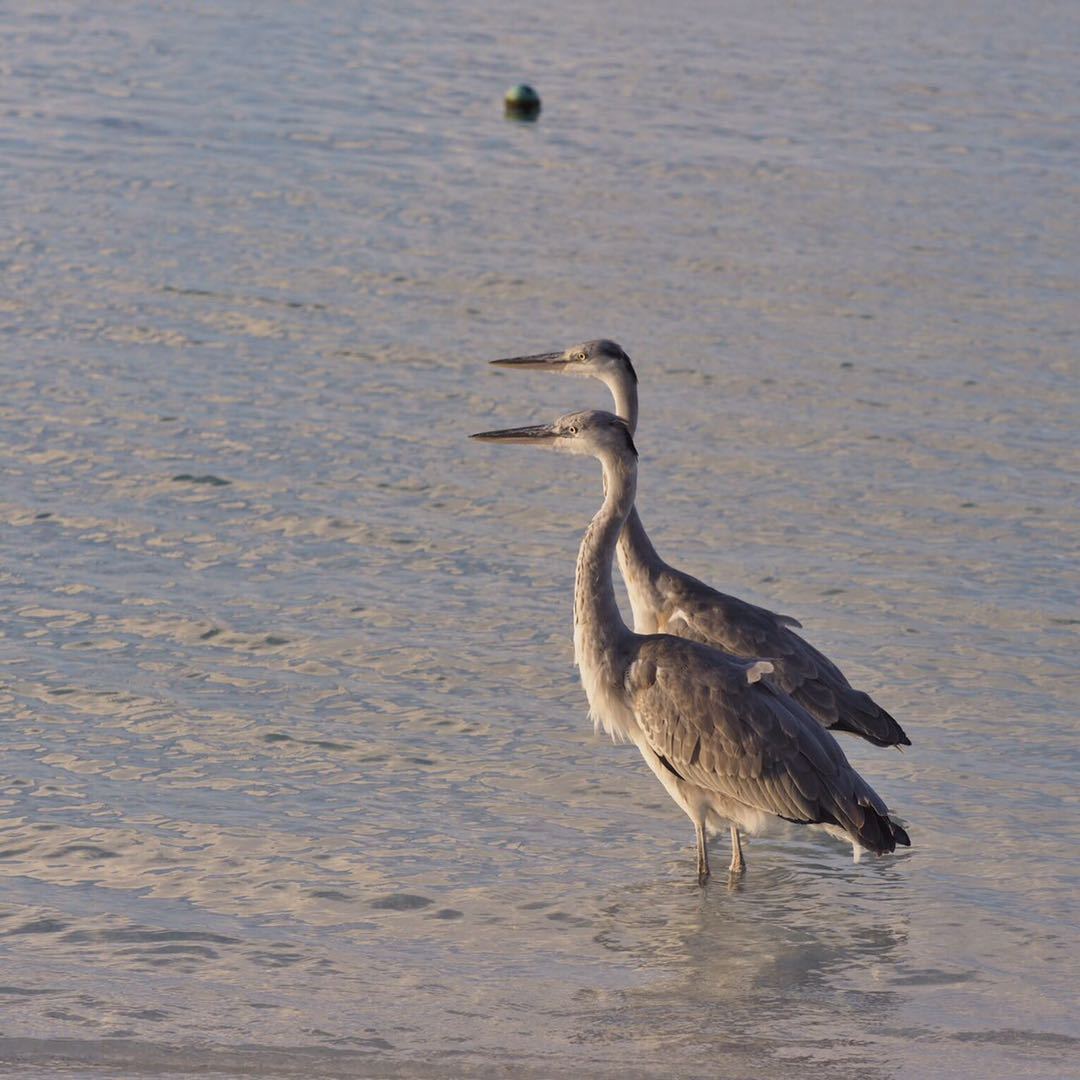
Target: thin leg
702, 854
738, 863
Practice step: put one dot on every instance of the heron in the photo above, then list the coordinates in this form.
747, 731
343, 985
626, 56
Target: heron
667, 600
727, 744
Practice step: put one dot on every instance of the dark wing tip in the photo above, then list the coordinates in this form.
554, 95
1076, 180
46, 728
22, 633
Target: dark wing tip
860, 714
856, 727
878, 832
896, 734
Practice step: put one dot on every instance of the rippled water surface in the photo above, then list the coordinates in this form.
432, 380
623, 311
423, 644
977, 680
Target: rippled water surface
295, 774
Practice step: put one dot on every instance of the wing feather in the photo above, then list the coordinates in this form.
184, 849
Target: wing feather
713, 618
747, 742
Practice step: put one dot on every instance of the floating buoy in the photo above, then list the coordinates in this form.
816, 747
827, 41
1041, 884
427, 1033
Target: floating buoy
522, 102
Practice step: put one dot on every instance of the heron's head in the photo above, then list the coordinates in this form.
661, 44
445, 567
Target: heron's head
589, 432
602, 359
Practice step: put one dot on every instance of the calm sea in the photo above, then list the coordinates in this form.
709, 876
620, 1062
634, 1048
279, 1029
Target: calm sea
295, 772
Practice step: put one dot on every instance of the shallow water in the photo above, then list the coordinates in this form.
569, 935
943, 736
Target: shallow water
296, 776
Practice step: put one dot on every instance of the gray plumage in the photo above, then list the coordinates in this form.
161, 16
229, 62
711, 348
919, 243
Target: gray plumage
725, 742
691, 609
747, 744
666, 600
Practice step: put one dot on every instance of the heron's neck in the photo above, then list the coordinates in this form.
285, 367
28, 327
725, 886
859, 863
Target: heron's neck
624, 391
598, 625
636, 552
638, 559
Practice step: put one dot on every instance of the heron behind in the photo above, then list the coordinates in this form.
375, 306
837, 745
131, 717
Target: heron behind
726, 744
668, 600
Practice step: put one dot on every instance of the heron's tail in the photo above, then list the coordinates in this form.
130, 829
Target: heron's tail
879, 833
859, 714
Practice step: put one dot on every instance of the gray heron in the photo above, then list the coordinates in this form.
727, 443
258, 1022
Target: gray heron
667, 600
728, 746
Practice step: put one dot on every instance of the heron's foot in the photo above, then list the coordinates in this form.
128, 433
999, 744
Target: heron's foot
702, 876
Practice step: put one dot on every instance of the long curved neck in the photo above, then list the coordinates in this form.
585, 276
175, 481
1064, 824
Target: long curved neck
598, 625
623, 389
635, 547
638, 559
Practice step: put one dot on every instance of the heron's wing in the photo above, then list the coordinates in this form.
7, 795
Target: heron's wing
726, 622
699, 710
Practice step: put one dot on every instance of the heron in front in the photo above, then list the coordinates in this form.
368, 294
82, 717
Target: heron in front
727, 745
665, 600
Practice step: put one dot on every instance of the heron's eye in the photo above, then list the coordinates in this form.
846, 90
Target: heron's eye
580, 358
572, 429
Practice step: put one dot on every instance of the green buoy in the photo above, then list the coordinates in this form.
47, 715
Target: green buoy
522, 102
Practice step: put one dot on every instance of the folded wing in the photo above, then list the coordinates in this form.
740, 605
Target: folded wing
714, 618
747, 742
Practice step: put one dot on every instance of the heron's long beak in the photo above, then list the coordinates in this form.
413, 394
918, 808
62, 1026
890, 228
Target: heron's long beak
538, 433
549, 361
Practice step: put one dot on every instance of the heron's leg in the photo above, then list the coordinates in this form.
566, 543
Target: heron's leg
702, 854
738, 863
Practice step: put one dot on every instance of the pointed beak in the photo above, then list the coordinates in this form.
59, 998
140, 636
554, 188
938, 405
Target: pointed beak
548, 361
538, 433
